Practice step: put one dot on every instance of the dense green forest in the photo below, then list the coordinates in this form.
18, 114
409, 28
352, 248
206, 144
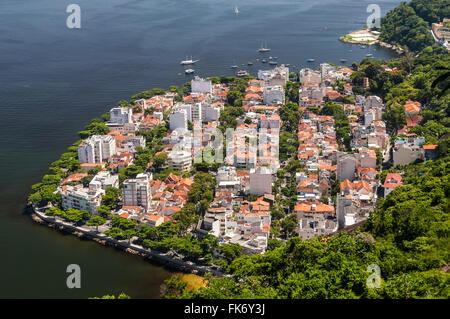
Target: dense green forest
409, 24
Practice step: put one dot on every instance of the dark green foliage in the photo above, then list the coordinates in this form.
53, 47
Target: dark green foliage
147, 94
402, 26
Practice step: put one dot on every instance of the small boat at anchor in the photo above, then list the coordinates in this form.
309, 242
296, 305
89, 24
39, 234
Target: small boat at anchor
263, 48
241, 73
189, 71
188, 61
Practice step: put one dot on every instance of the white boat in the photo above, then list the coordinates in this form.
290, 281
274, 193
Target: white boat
263, 48
241, 73
188, 61
369, 54
236, 10
189, 71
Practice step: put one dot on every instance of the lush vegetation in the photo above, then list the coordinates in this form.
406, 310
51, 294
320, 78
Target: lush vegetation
409, 24
341, 123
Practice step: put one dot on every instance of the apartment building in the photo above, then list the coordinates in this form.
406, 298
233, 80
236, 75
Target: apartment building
180, 160
97, 149
137, 191
84, 198
121, 115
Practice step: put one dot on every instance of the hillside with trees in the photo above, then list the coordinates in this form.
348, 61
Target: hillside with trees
409, 24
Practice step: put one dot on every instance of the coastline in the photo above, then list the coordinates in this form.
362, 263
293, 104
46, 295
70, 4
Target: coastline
159, 258
349, 38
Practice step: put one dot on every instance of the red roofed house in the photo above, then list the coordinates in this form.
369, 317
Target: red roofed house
431, 151
392, 181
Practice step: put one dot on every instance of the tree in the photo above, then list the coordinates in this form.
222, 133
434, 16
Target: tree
173, 287
111, 197
128, 234
115, 233
444, 79
230, 251
160, 160
395, 117
35, 198
97, 129
104, 211
289, 225
76, 215
96, 221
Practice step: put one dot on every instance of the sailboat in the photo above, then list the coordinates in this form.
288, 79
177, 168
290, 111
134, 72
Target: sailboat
188, 61
236, 10
263, 48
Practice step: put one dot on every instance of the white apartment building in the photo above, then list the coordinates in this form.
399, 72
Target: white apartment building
273, 95
137, 192
372, 101
79, 197
369, 117
187, 108
314, 92
276, 76
97, 149
196, 112
325, 69
309, 76
130, 143
106, 180
226, 174
180, 160
346, 167
261, 181
200, 85
121, 115
124, 129
210, 113
178, 120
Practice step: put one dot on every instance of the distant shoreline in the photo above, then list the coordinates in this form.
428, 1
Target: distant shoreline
369, 38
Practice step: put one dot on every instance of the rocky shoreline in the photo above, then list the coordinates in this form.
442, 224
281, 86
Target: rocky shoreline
158, 258
385, 45
349, 38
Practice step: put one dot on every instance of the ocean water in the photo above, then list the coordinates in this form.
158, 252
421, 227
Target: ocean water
53, 80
